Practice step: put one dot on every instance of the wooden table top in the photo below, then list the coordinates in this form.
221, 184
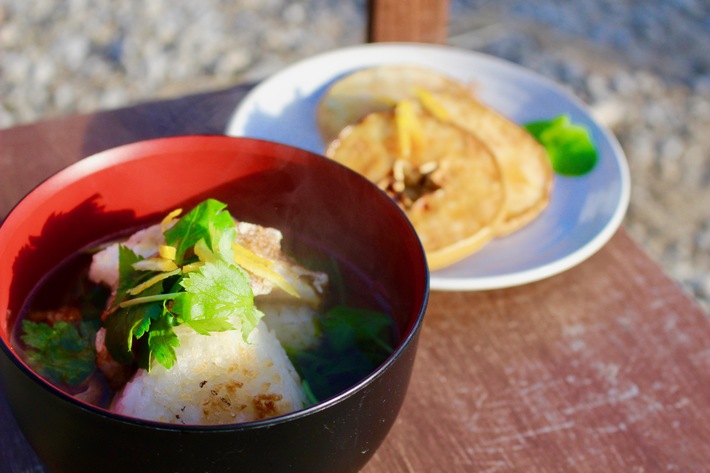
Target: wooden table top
605, 367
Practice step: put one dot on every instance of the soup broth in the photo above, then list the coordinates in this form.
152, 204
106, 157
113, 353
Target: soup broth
57, 328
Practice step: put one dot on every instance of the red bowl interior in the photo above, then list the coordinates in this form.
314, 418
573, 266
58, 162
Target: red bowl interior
311, 199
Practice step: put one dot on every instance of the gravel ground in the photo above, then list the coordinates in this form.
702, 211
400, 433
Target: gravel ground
642, 67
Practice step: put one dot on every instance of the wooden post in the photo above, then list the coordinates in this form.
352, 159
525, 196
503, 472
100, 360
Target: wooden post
425, 21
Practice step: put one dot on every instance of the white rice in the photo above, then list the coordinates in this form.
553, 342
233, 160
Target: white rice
293, 324
217, 379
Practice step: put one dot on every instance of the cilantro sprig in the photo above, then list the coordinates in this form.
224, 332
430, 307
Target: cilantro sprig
569, 146
205, 222
62, 352
209, 293
354, 342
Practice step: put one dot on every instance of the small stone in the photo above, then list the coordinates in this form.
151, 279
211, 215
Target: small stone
609, 113
234, 61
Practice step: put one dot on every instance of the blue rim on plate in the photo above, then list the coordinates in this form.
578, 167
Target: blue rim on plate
584, 212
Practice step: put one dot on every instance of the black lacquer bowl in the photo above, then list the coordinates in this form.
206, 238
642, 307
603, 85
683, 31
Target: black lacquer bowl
310, 199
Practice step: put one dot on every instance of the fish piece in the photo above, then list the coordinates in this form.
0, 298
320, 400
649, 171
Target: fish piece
104, 265
266, 242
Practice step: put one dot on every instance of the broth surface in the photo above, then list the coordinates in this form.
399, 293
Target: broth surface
328, 369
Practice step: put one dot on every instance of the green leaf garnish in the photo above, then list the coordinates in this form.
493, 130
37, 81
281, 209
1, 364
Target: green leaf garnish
61, 352
216, 292
212, 298
205, 220
569, 146
162, 341
354, 342
129, 323
311, 398
346, 326
127, 276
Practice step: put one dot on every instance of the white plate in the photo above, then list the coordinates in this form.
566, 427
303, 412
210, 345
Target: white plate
584, 212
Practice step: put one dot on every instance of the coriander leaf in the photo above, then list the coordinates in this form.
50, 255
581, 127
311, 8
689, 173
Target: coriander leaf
218, 292
225, 242
311, 399
127, 276
569, 146
125, 324
202, 222
36, 335
205, 326
223, 248
346, 326
61, 352
354, 342
183, 305
161, 341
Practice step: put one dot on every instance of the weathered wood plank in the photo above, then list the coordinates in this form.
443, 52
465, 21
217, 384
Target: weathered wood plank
425, 21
